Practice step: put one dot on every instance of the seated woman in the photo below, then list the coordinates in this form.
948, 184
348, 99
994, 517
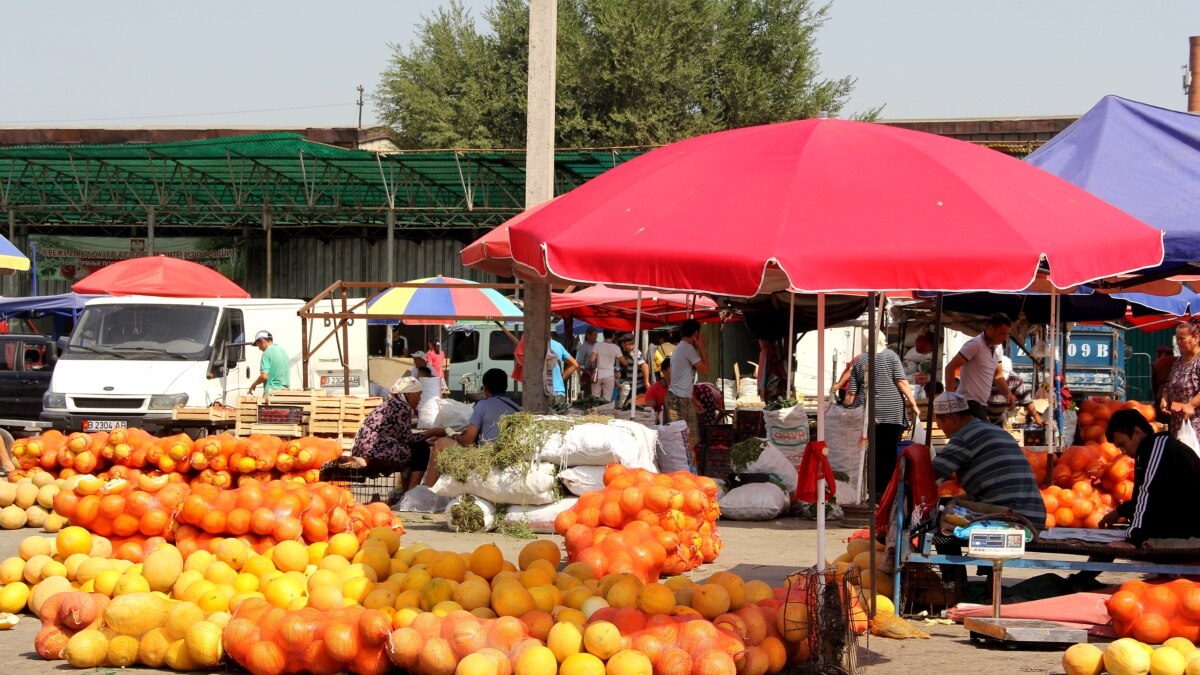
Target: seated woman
386, 442
483, 426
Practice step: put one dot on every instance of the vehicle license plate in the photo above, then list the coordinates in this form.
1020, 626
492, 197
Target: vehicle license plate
104, 425
338, 381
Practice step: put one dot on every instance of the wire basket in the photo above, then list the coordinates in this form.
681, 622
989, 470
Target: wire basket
372, 483
822, 608
930, 588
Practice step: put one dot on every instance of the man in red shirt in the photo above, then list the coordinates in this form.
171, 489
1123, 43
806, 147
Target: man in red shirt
656, 395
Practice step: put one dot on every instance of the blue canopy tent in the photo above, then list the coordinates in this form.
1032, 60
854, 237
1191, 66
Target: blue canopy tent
64, 309
1142, 159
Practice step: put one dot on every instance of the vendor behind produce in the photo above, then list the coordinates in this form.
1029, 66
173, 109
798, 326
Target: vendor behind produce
1165, 473
484, 425
989, 463
387, 440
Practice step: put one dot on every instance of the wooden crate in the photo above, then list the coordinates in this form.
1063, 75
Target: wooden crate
340, 415
213, 414
245, 415
281, 430
295, 397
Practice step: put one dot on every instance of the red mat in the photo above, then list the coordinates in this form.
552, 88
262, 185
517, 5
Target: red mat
1081, 610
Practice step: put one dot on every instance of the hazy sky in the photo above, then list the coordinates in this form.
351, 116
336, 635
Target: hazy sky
274, 63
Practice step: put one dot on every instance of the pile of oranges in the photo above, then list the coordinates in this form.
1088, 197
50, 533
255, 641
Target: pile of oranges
643, 523
1153, 613
135, 514
218, 460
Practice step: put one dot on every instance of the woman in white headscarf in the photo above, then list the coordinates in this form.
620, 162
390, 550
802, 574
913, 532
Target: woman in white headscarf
895, 405
387, 438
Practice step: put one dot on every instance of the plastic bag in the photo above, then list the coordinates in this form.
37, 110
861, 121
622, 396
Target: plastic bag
422, 500
918, 436
1187, 436
453, 414
754, 501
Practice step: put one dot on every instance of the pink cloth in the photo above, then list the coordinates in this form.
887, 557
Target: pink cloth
1082, 610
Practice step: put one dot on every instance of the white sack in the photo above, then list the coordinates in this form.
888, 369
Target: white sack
519, 484
755, 501
581, 480
772, 461
847, 445
540, 519
453, 414
592, 444
787, 429
672, 453
458, 514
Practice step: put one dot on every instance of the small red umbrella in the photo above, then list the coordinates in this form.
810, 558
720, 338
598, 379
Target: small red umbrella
828, 205
616, 309
161, 276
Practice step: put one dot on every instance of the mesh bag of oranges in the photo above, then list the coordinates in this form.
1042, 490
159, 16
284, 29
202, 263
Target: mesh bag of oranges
643, 523
1153, 613
144, 506
267, 639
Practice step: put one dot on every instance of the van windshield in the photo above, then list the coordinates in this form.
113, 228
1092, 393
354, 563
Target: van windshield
143, 333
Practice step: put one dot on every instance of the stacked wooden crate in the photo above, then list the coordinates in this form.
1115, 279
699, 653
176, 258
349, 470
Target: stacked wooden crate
329, 416
246, 415
210, 414
340, 416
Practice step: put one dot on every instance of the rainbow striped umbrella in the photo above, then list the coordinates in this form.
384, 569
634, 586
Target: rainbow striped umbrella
11, 257
442, 301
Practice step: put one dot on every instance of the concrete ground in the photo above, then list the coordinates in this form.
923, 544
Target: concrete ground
768, 551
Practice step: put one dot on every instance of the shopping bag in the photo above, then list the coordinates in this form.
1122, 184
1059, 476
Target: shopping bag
918, 435
1187, 436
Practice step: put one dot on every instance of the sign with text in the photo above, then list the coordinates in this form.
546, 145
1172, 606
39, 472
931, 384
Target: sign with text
73, 258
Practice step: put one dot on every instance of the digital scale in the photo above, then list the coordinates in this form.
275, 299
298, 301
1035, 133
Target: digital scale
999, 544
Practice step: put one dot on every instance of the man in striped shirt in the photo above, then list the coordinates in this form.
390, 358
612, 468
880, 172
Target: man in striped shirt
1165, 474
989, 463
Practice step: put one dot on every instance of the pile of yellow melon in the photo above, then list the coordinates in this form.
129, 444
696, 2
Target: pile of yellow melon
29, 502
858, 555
1126, 656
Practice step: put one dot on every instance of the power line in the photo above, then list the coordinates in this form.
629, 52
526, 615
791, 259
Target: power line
177, 115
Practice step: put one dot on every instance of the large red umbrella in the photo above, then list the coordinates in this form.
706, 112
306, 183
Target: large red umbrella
490, 252
616, 308
828, 205
161, 276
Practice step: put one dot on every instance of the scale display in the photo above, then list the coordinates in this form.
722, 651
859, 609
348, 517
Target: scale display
996, 543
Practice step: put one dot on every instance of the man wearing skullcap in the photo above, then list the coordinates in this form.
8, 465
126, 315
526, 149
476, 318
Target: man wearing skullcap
988, 462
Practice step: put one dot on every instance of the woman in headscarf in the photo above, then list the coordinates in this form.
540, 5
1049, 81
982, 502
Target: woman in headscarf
387, 441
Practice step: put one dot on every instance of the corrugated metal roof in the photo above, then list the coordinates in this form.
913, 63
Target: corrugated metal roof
194, 186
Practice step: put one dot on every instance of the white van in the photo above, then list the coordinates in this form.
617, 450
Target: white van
131, 360
472, 350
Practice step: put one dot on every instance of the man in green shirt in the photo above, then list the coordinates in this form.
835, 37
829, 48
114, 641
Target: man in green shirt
274, 370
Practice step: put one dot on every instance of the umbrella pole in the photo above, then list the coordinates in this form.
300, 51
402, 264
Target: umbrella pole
1051, 428
935, 368
820, 418
791, 339
637, 331
870, 419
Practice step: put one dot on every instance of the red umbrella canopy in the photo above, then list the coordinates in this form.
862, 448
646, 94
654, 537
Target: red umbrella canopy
490, 252
161, 276
828, 205
616, 309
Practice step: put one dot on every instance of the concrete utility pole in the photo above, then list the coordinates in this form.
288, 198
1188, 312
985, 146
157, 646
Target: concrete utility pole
539, 185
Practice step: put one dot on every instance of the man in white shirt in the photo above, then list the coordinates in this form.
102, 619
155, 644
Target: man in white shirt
688, 359
604, 359
978, 365
587, 375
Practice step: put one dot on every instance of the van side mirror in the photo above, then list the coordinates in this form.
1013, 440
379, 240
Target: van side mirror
62, 343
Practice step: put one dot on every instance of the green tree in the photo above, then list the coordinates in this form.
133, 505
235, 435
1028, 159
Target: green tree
630, 72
